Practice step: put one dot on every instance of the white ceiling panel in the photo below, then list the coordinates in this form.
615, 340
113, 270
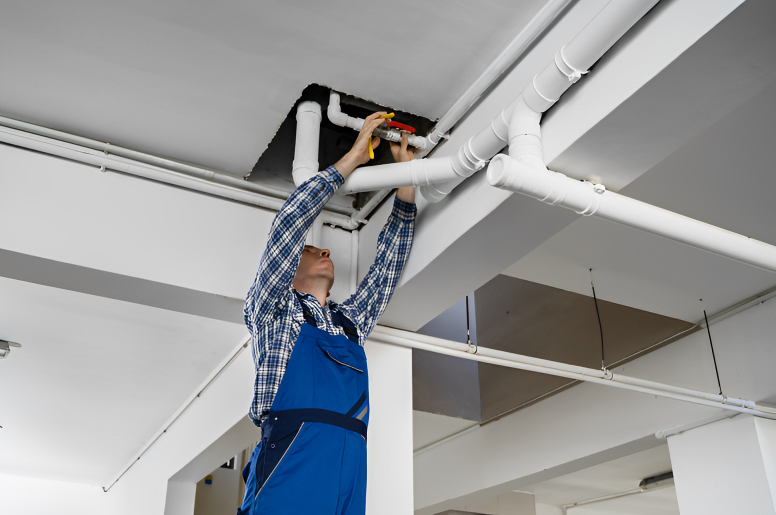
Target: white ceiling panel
95, 378
210, 82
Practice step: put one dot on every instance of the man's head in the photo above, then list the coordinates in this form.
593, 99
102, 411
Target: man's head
315, 273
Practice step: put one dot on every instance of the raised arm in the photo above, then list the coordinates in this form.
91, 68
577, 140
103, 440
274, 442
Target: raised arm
270, 289
371, 298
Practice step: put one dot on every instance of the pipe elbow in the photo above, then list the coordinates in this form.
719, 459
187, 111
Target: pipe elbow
337, 117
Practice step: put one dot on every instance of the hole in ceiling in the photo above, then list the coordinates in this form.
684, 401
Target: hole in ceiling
275, 164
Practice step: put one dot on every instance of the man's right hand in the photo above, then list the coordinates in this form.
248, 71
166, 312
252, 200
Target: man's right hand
359, 153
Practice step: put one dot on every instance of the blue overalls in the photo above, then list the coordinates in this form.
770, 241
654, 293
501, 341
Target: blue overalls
312, 454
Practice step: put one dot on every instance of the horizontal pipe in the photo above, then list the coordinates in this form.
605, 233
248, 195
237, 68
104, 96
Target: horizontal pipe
417, 172
337, 117
142, 157
100, 160
510, 360
593, 199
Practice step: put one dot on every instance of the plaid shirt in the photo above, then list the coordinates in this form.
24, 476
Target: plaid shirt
273, 308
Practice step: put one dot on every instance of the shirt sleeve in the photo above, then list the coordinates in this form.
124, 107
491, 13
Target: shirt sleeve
268, 294
371, 298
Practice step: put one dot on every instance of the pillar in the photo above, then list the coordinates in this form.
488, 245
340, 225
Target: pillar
726, 467
389, 444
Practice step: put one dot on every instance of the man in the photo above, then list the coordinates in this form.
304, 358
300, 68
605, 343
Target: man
311, 391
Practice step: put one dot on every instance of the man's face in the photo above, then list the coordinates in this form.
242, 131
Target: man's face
314, 265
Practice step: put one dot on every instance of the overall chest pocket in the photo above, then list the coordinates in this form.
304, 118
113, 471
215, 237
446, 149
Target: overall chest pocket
344, 357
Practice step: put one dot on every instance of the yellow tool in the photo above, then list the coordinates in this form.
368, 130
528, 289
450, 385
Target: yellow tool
384, 117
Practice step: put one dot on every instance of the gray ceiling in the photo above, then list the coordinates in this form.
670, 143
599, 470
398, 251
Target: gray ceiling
210, 82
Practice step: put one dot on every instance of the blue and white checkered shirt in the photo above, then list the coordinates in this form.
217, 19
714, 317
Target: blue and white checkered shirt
273, 309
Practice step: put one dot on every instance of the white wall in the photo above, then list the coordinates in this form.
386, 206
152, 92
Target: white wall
30, 496
721, 467
180, 498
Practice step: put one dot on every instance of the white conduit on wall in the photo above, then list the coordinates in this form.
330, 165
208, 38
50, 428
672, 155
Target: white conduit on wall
542, 366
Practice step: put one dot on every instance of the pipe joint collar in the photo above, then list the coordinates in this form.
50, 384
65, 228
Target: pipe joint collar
573, 74
535, 100
500, 126
465, 164
310, 107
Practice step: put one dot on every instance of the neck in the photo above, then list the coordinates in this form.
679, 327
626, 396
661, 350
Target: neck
319, 291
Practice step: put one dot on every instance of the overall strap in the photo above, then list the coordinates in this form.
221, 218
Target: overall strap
349, 327
338, 319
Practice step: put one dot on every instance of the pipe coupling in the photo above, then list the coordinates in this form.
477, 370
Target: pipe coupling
310, 107
566, 69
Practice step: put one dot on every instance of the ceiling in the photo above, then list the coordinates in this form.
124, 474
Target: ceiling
95, 378
613, 477
211, 82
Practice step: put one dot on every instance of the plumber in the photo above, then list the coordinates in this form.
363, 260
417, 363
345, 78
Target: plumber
311, 391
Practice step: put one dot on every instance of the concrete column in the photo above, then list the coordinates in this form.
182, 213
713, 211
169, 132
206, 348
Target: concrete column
726, 467
180, 498
389, 445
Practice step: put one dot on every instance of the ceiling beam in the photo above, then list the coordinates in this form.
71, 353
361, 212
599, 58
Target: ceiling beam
66, 276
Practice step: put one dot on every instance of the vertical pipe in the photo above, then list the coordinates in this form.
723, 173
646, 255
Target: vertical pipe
353, 261
308, 128
314, 237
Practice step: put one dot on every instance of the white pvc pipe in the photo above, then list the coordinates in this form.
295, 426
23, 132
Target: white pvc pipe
308, 130
314, 234
593, 199
417, 172
506, 359
135, 156
353, 261
496, 69
100, 160
570, 63
337, 117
